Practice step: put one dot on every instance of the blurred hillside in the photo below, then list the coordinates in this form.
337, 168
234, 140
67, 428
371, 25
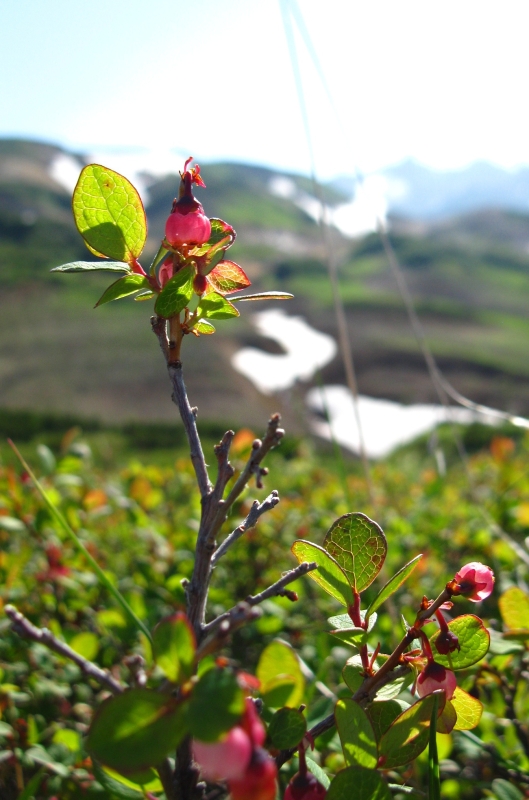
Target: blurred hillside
469, 276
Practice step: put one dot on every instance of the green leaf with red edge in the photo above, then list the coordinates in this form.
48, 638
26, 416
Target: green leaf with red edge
221, 234
474, 641
408, 735
123, 287
329, 575
393, 584
214, 306
228, 277
176, 293
356, 733
216, 704
287, 728
174, 647
359, 783
109, 214
359, 546
468, 710
136, 730
204, 327
514, 610
262, 296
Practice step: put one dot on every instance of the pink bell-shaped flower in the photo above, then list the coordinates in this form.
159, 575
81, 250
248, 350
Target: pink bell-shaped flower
225, 760
187, 222
434, 676
475, 581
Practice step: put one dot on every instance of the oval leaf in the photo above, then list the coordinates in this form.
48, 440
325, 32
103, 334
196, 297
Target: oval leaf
393, 584
109, 213
383, 714
356, 734
408, 735
228, 277
214, 306
359, 546
174, 647
468, 710
279, 671
329, 575
123, 287
136, 730
216, 704
474, 641
93, 266
204, 327
176, 293
359, 783
514, 608
221, 234
287, 728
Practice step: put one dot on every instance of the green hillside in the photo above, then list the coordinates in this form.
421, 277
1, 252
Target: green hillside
469, 277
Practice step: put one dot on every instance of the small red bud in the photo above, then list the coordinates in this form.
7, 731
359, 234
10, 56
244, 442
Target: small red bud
200, 284
304, 787
259, 780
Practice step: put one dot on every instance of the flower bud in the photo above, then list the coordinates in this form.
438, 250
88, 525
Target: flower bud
434, 676
447, 642
225, 760
187, 222
475, 581
304, 787
259, 780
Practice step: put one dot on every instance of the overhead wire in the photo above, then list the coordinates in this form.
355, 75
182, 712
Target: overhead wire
441, 385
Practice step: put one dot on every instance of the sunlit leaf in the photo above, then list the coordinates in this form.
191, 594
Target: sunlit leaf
216, 704
174, 646
359, 546
474, 640
287, 728
214, 306
228, 277
176, 293
359, 783
393, 584
123, 287
93, 266
204, 327
468, 710
382, 715
109, 213
356, 734
514, 609
329, 575
279, 671
86, 644
221, 234
408, 735
136, 730
263, 296
447, 719
347, 632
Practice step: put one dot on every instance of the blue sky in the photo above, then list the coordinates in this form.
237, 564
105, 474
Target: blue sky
445, 83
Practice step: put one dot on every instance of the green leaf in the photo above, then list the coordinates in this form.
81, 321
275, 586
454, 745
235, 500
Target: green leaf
434, 782
216, 704
505, 790
32, 786
279, 671
352, 673
359, 546
93, 266
468, 710
68, 738
514, 609
109, 213
447, 719
132, 788
204, 327
382, 715
128, 284
174, 647
176, 293
144, 296
221, 234
329, 575
136, 730
86, 644
228, 277
287, 728
408, 735
359, 783
317, 771
474, 640
356, 734
346, 632
214, 306
393, 584
262, 296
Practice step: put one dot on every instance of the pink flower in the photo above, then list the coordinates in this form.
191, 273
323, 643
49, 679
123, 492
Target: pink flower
225, 760
187, 222
475, 581
434, 676
259, 780
304, 787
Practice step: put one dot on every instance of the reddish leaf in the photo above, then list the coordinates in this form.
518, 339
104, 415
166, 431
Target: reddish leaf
228, 277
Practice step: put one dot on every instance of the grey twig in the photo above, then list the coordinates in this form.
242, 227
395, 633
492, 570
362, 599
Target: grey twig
225, 469
225, 625
27, 630
277, 589
256, 511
